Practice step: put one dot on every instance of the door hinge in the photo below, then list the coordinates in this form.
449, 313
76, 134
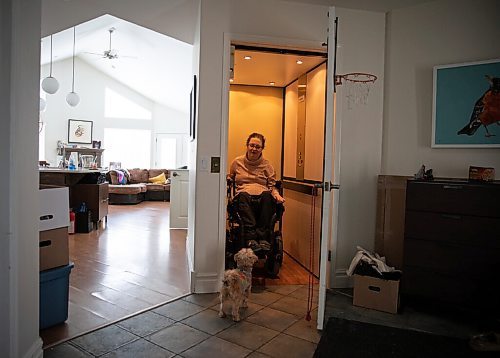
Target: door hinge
329, 255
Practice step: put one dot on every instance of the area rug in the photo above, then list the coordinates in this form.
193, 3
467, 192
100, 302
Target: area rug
350, 339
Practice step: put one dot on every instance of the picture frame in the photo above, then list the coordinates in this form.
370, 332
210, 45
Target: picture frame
462, 94
80, 131
96, 144
192, 110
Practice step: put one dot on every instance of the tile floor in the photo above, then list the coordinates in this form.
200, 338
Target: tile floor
272, 326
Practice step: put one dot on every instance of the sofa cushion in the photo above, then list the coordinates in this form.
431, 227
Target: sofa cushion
157, 187
138, 176
127, 189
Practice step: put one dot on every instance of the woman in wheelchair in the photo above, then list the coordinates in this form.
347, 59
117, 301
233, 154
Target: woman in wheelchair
256, 195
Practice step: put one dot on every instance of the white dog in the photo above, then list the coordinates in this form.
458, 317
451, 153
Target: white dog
237, 283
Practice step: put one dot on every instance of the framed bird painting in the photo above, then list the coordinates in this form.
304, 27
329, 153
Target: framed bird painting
466, 105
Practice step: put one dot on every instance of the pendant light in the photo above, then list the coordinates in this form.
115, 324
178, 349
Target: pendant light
50, 84
73, 98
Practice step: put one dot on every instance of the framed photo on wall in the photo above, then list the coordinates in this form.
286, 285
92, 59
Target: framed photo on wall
192, 110
466, 105
80, 131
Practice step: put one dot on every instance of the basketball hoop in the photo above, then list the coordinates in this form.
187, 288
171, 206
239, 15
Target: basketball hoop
358, 84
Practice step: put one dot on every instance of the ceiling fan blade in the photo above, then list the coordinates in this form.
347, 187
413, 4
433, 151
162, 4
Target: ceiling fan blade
133, 57
92, 53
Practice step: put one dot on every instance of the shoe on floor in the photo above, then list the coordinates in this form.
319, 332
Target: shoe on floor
486, 342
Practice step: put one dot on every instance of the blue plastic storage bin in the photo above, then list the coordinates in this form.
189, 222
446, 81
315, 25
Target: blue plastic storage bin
54, 294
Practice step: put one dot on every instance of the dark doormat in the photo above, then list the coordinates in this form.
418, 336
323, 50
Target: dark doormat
350, 339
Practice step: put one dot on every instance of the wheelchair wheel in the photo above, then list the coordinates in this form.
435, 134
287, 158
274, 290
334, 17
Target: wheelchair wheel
275, 259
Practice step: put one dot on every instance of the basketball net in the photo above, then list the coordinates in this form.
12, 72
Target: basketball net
358, 87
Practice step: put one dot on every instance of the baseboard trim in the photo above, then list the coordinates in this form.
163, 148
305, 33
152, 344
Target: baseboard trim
342, 280
205, 283
36, 350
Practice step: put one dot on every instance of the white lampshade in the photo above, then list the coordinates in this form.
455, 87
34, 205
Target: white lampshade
43, 104
73, 99
50, 85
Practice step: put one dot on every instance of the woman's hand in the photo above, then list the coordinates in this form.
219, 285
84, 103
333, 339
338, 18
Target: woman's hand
279, 199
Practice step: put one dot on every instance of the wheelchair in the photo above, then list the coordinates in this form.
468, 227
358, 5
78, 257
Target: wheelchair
235, 235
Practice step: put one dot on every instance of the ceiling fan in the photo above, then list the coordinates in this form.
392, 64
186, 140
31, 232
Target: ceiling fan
111, 53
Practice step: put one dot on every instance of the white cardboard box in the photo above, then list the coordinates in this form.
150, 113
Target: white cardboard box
53, 208
375, 293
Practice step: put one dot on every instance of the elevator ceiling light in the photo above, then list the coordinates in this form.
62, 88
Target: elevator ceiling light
299, 62
247, 57
272, 83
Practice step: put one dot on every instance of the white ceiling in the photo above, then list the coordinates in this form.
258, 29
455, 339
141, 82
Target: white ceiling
156, 66
160, 67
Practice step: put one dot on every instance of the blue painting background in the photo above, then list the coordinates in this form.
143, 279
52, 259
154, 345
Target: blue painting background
457, 90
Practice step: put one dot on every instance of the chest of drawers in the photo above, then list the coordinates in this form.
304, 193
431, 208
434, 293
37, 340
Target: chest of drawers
452, 243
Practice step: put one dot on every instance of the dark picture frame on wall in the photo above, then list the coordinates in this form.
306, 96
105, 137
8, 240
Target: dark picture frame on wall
192, 111
80, 131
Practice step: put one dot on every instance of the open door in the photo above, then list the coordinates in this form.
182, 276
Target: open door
331, 174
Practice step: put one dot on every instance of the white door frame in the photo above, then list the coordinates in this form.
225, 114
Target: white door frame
259, 40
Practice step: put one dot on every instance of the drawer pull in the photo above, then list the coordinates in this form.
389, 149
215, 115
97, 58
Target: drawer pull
46, 217
374, 288
456, 187
450, 216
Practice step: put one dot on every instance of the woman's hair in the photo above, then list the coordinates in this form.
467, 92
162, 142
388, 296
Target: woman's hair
258, 136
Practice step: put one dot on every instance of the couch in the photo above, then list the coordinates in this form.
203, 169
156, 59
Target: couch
133, 186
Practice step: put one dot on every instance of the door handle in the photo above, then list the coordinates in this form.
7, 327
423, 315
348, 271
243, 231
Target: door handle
174, 174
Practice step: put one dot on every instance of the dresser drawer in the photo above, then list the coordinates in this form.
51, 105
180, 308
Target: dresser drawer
473, 262
434, 287
453, 228
454, 198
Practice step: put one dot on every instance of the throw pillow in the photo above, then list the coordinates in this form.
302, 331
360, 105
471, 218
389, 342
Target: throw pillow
159, 179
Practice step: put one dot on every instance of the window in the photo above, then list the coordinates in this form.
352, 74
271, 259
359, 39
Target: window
118, 106
167, 148
131, 147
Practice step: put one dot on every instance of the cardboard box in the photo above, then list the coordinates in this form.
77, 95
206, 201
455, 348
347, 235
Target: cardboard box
54, 208
54, 251
375, 293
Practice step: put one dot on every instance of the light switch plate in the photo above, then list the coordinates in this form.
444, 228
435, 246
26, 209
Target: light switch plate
215, 165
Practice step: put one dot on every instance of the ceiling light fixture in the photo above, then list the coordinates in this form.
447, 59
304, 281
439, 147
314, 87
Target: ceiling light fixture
272, 83
299, 62
43, 105
73, 98
50, 84
247, 57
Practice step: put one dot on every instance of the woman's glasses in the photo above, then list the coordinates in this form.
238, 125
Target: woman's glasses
255, 146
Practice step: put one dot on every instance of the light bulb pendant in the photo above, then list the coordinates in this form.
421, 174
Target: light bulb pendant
50, 84
73, 99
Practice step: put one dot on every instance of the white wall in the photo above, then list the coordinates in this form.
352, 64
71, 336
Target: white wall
20, 54
419, 38
90, 84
